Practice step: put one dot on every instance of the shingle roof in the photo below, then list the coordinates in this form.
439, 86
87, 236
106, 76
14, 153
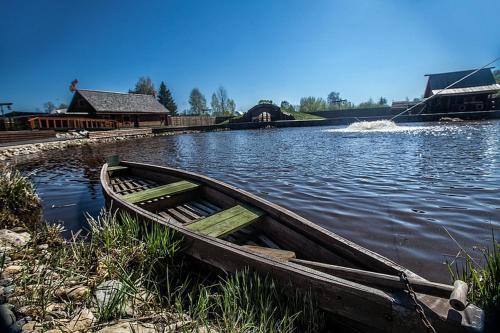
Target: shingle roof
103, 101
484, 77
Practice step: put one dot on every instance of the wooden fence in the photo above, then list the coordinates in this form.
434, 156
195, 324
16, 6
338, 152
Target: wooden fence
70, 122
15, 136
180, 121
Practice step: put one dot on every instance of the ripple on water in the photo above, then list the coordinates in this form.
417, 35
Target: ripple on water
392, 190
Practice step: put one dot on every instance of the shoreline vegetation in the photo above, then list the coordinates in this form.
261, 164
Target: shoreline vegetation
125, 277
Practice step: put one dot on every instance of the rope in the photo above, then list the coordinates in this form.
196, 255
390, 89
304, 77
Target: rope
451, 85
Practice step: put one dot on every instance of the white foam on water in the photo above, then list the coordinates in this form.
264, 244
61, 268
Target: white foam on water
379, 126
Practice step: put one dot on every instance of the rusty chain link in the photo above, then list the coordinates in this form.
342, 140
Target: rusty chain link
418, 308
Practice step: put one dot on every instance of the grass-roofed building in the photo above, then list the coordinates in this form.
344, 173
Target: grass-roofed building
127, 109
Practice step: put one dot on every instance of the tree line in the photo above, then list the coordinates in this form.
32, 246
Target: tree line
221, 104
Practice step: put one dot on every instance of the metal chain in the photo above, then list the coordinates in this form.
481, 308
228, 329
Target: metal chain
418, 307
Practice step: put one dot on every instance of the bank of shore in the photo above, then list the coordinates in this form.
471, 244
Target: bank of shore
19, 148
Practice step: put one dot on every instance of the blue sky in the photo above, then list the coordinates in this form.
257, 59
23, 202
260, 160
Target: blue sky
279, 50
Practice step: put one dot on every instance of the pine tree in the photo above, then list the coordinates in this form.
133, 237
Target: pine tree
165, 98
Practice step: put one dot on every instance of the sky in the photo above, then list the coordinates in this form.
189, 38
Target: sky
274, 49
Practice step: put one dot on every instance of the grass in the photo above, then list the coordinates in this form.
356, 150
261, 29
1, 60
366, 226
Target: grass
19, 203
305, 116
483, 280
155, 281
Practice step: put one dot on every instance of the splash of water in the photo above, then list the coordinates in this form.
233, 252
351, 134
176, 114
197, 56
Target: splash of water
377, 126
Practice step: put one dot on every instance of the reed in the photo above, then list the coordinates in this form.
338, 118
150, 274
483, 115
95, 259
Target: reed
483, 279
19, 203
243, 302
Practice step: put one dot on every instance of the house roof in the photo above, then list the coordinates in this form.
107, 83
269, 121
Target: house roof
483, 77
104, 101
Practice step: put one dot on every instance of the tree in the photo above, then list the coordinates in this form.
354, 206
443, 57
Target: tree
368, 104
333, 98
197, 101
221, 104
382, 101
62, 106
166, 99
287, 107
496, 73
265, 101
312, 104
49, 107
144, 86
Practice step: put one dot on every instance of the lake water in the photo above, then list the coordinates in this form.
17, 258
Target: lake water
393, 190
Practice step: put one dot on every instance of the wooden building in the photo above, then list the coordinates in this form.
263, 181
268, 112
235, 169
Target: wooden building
127, 109
471, 94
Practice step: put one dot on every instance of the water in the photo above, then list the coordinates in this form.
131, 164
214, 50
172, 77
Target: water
392, 190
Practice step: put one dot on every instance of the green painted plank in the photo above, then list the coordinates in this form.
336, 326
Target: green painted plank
227, 221
117, 167
216, 218
160, 191
231, 225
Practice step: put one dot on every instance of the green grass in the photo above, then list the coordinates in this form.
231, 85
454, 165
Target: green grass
305, 116
156, 281
483, 279
19, 203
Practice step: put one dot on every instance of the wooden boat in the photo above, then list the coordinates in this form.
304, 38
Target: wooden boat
232, 229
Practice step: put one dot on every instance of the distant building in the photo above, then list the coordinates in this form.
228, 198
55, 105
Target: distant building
127, 109
471, 94
265, 112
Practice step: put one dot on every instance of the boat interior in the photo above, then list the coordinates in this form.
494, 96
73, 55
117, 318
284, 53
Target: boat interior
203, 209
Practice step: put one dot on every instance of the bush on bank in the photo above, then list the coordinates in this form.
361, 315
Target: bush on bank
19, 203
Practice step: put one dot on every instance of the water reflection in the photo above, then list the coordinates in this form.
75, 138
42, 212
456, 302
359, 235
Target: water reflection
392, 192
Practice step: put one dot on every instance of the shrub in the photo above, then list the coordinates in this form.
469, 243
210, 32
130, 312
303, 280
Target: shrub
19, 203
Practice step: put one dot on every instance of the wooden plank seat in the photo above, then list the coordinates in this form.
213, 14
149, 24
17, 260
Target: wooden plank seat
226, 221
160, 191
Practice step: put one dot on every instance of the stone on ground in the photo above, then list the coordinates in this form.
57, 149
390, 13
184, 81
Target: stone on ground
11, 238
83, 320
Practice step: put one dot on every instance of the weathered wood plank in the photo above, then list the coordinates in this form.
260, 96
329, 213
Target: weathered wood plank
194, 209
164, 190
179, 216
378, 279
168, 217
280, 254
187, 212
